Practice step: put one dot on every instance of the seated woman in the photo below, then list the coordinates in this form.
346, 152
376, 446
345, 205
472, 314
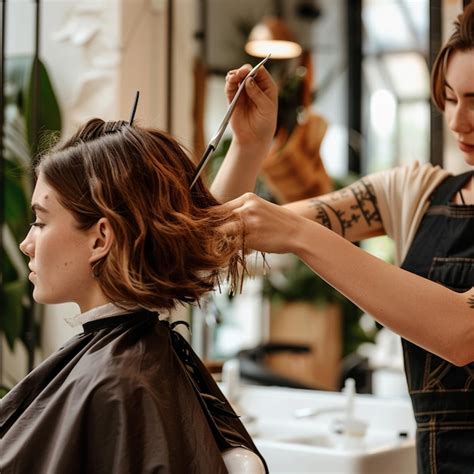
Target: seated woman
118, 232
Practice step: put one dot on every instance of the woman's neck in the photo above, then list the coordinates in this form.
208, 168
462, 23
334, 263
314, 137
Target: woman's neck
93, 299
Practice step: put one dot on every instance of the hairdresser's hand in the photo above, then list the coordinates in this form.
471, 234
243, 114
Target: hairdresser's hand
254, 118
253, 123
268, 227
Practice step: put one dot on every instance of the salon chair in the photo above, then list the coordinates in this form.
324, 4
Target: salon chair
253, 368
242, 461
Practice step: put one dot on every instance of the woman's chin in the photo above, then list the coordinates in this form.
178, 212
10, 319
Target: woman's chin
469, 158
39, 299
42, 298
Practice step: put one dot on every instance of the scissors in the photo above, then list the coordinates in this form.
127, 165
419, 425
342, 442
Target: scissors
220, 131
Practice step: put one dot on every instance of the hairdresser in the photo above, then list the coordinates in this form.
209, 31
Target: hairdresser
429, 213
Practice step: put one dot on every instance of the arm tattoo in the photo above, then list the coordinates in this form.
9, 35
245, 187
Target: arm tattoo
470, 301
321, 214
366, 201
365, 207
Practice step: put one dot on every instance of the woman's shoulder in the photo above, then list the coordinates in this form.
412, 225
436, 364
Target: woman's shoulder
417, 170
414, 177
412, 171
115, 357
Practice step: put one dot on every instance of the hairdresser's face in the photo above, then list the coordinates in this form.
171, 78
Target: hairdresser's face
59, 252
459, 105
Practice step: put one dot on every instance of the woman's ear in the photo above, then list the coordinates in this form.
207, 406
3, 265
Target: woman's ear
102, 238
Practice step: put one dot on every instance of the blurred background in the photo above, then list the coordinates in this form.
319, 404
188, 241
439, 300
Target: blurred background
354, 98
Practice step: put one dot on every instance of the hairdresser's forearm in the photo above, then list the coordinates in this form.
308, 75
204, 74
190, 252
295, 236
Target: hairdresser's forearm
238, 172
424, 312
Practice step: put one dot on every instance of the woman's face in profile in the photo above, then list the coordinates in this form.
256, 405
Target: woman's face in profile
59, 252
459, 101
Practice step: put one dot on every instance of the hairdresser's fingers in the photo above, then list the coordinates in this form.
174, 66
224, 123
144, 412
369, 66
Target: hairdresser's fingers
230, 206
253, 212
246, 208
265, 83
268, 227
263, 99
233, 80
266, 91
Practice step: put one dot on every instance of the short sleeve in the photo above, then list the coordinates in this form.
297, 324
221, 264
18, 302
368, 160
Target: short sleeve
403, 195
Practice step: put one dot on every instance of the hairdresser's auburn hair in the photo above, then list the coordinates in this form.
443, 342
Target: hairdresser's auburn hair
462, 39
169, 247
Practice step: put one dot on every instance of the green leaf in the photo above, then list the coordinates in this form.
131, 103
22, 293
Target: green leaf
48, 114
17, 74
15, 140
21, 79
9, 271
12, 318
17, 209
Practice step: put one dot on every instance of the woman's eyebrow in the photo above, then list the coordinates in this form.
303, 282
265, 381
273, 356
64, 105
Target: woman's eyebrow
466, 94
35, 207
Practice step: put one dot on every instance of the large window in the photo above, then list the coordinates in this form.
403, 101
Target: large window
396, 83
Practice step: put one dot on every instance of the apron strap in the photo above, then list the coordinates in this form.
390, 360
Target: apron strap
448, 188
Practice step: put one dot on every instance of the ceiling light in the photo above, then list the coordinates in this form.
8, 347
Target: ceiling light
272, 36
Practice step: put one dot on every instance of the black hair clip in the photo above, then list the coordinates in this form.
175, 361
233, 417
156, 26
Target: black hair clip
116, 126
112, 127
134, 109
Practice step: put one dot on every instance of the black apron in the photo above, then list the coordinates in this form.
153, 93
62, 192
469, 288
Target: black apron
442, 393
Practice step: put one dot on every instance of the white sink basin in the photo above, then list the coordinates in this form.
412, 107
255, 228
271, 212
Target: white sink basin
309, 445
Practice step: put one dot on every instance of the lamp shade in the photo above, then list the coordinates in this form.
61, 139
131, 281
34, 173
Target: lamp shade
272, 36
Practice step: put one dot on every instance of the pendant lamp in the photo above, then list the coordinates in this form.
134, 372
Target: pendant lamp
272, 36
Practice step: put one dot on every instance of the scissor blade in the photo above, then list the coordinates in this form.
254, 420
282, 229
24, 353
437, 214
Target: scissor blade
205, 158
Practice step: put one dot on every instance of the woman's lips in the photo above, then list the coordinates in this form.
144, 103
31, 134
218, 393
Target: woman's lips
465, 147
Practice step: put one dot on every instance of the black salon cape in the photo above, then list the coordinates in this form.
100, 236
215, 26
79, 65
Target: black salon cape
128, 395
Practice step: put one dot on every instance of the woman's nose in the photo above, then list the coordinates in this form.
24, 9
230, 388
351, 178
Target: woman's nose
27, 246
459, 121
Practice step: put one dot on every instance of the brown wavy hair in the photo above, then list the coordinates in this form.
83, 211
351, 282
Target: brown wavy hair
462, 39
168, 244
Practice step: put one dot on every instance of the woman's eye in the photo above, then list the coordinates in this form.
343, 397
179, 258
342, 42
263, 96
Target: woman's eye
37, 224
450, 99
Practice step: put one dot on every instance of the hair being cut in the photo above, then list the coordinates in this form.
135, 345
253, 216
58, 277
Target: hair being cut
462, 39
168, 246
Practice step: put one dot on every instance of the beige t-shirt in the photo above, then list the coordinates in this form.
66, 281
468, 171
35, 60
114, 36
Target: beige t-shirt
403, 196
